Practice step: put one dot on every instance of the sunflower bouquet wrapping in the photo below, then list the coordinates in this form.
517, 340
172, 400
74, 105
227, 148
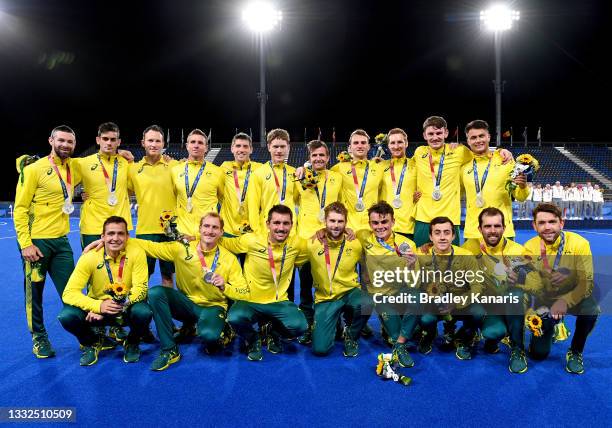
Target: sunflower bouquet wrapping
387, 368
525, 164
381, 148
310, 178
167, 221
344, 156
534, 321
118, 292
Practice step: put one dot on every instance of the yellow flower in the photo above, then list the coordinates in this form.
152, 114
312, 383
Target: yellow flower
118, 289
534, 324
344, 156
166, 215
527, 159
434, 289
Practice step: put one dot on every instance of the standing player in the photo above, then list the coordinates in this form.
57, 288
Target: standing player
566, 265
484, 180
237, 179
151, 180
43, 204
198, 185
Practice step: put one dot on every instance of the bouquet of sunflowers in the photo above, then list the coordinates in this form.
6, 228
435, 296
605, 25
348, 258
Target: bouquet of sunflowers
525, 164
534, 323
380, 148
387, 368
167, 221
344, 156
118, 293
310, 178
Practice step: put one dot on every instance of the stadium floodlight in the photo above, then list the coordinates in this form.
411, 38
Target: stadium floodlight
498, 18
261, 18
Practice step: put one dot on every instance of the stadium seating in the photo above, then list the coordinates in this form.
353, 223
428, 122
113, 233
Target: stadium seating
599, 158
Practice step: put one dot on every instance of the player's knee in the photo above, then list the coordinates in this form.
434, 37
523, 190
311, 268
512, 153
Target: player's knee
141, 313
209, 335
496, 332
156, 294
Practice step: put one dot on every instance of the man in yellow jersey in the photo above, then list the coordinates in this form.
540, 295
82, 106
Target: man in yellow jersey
151, 181
510, 277
361, 180
566, 266
238, 176
386, 251
120, 265
43, 204
312, 203
273, 183
484, 180
270, 260
455, 270
104, 176
438, 167
198, 185
336, 283
399, 182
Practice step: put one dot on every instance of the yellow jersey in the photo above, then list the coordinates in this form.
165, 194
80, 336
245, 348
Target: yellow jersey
235, 190
311, 202
399, 185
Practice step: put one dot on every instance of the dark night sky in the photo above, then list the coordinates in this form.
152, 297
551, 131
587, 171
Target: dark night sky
348, 64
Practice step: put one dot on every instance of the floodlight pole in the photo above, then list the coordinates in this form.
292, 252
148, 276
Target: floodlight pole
499, 87
261, 95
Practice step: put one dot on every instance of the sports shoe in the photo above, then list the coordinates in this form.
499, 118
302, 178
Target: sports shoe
165, 359
491, 346
574, 363
463, 352
254, 350
425, 345
131, 353
306, 338
117, 333
400, 351
41, 347
518, 361
89, 356
275, 344
351, 347
186, 333
366, 331
227, 336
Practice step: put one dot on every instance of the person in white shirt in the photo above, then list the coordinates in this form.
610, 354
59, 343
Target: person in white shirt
565, 202
578, 201
571, 198
587, 201
557, 194
527, 206
537, 194
547, 194
598, 203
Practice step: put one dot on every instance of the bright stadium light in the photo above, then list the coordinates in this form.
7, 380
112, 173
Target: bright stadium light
498, 18
261, 18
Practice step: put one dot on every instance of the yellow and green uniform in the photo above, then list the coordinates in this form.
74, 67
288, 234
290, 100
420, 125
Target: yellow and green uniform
264, 194
449, 204
310, 204
505, 318
152, 184
455, 260
494, 192
233, 218
39, 221
206, 196
95, 210
381, 257
92, 268
340, 296
404, 216
195, 300
358, 220
576, 260
268, 297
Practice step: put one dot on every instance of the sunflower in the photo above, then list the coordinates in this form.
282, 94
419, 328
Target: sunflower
527, 159
119, 290
344, 157
434, 289
534, 324
166, 215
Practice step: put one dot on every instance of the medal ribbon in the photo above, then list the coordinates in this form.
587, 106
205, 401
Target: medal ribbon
483, 248
389, 247
110, 272
195, 182
398, 188
213, 267
360, 192
273, 266
242, 195
322, 198
436, 179
281, 195
65, 190
113, 185
331, 275
479, 186
557, 258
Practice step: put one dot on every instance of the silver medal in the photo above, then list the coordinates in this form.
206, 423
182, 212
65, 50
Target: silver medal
68, 208
360, 206
436, 194
322, 215
189, 205
499, 269
479, 200
208, 277
397, 202
112, 199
